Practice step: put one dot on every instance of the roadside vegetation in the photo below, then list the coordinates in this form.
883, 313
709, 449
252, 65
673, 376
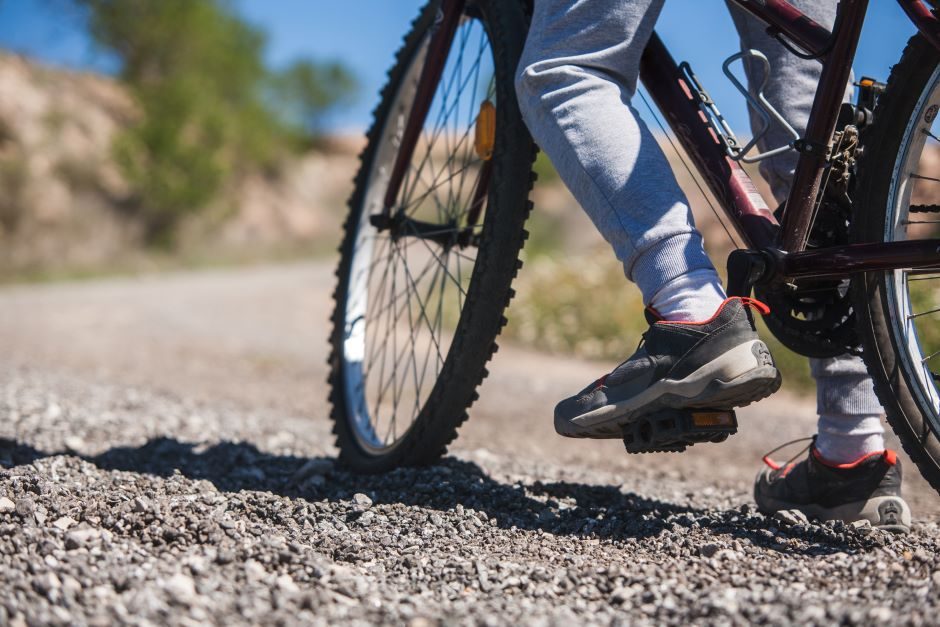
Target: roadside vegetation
210, 109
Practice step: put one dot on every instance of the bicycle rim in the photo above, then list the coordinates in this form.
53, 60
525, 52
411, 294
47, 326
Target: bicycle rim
407, 285
913, 295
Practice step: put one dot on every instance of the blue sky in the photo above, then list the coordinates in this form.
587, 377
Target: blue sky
366, 33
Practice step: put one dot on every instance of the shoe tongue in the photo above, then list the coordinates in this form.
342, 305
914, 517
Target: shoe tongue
638, 364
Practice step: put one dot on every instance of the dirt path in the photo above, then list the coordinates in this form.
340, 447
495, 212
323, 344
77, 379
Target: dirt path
106, 387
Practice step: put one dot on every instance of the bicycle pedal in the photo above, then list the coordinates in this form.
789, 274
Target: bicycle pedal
674, 430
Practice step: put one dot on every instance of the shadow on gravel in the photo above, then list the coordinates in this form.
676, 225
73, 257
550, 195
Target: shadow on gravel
14, 453
560, 508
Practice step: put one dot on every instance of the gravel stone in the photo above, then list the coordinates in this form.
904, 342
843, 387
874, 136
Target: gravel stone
285, 583
78, 538
361, 502
159, 527
709, 550
25, 507
181, 589
791, 517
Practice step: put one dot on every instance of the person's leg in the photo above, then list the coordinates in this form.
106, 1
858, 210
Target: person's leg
849, 412
576, 79
848, 474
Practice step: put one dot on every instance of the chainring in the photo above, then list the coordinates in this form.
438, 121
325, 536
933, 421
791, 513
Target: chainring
814, 317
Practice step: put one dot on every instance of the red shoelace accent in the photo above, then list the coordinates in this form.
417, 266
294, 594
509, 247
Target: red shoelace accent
786, 466
890, 457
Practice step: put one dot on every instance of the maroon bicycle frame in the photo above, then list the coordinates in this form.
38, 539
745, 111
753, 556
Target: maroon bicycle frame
730, 183
726, 179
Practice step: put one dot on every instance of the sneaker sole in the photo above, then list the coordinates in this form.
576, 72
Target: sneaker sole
739, 377
890, 513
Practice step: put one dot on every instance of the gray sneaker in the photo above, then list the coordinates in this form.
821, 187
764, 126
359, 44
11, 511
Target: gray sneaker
718, 363
866, 489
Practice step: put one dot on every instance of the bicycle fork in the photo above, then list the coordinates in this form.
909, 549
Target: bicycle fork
444, 30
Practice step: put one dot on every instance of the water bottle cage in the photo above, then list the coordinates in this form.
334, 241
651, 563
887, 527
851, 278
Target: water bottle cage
757, 102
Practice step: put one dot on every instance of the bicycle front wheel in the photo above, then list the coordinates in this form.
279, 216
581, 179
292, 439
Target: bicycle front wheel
898, 198
420, 296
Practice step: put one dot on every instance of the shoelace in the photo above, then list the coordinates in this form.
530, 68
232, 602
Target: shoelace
775, 466
603, 380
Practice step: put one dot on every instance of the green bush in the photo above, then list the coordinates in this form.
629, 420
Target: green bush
305, 92
210, 109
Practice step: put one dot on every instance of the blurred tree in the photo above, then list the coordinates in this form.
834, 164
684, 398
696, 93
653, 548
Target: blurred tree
197, 71
306, 92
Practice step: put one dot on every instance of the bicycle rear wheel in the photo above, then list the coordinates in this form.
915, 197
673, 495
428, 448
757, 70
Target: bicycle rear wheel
898, 198
420, 298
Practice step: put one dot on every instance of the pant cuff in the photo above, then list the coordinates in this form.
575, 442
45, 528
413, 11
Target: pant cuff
666, 260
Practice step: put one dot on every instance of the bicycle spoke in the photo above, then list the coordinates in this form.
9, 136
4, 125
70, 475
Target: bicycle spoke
452, 278
923, 313
430, 290
915, 175
441, 125
421, 304
431, 189
434, 183
397, 314
411, 338
461, 142
446, 88
398, 355
929, 357
424, 270
376, 414
411, 294
427, 352
391, 306
414, 355
439, 317
436, 133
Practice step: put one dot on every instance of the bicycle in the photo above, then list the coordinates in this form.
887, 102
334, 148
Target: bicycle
437, 220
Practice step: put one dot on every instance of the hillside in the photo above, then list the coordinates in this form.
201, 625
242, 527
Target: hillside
64, 206
65, 209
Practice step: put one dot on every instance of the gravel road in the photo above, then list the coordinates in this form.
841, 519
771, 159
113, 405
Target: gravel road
165, 458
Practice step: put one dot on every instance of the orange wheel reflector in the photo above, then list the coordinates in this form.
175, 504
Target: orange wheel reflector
484, 137
713, 419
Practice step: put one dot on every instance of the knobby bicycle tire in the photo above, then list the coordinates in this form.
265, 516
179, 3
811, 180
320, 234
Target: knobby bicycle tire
496, 264
908, 412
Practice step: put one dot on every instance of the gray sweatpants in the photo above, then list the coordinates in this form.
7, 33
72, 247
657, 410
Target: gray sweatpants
575, 84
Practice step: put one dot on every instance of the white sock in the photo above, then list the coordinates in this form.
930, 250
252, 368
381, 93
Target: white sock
691, 297
843, 439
